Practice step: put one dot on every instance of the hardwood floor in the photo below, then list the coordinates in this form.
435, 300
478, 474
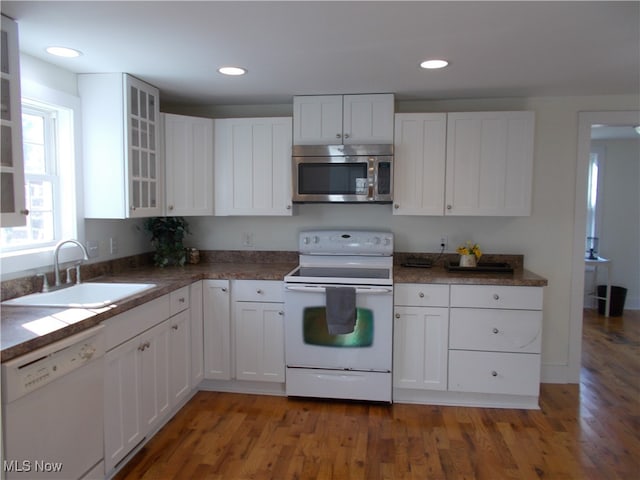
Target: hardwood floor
586, 431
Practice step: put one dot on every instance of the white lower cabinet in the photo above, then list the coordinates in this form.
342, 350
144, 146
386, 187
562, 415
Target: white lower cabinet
147, 371
217, 329
475, 345
421, 331
258, 327
197, 332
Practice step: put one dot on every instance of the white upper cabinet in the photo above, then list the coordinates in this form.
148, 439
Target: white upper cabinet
343, 119
13, 212
475, 164
188, 149
123, 170
252, 166
489, 163
419, 163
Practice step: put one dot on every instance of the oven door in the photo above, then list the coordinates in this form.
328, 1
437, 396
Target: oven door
308, 343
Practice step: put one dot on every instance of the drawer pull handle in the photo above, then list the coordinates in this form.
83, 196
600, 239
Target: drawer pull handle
174, 327
181, 300
494, 374
421, 295
495, 330
496, 296
224, 289
281, 313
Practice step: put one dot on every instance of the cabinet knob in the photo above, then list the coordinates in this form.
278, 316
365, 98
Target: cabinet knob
449, 207
288, 207
346, 135
495, 331
496, 296
174, 327
397, 315
396, 206
181, 300
259, 292
281, 313
421, 295
170, 207
224, 290
338, 135
494, 373
24, 212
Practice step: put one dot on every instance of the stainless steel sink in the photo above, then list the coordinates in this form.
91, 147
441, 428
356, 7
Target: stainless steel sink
83, 295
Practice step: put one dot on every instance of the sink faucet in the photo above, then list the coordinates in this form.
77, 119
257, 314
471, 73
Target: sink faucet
56, 266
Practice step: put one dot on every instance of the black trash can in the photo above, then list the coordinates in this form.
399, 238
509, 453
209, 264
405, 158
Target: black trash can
616, 306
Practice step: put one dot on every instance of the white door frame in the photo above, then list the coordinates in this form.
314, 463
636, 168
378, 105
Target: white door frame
585, 121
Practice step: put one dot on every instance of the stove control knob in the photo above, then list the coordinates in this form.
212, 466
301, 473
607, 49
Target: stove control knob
306, 240
316, 239
376, 240
387, 241
87, 351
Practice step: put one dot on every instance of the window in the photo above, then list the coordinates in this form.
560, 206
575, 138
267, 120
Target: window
49, 164
593, 210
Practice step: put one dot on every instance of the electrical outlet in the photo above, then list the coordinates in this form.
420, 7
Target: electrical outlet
113, 245
247, 239
444, 242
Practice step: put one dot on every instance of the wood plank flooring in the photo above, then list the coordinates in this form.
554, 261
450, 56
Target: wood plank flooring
586, 431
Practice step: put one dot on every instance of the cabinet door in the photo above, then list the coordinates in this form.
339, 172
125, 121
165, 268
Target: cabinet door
252, 166
197, 333
420, 348
217, 329
146, 182
122, 404
419, 163
259, 341
317, 120
489, 163
154, 375
179, 356
188, 156
13, 212
368, 118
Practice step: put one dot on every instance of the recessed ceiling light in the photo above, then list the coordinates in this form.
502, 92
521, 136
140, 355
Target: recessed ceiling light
234, 71
63, 52
434, 64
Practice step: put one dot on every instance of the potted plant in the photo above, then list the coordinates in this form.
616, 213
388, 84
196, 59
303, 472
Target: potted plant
167, 234
470, 253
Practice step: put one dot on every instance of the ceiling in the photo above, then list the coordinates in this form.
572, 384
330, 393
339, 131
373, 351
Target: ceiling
495, 49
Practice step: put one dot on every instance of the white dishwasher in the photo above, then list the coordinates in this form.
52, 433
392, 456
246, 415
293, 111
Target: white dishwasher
52, 410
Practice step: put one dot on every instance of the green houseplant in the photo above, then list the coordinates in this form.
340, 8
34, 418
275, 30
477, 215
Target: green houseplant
167, 234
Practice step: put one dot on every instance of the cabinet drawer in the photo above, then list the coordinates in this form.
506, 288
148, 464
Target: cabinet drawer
179, 300
258, 291
128, 324
495, 330
496, 296
421, 295
489, 372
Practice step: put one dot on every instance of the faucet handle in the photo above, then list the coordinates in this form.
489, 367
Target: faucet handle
78, 280
45, 282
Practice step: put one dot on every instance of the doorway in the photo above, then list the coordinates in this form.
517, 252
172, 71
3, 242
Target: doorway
586, 120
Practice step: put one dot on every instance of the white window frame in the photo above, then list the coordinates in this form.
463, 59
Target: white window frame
31, 260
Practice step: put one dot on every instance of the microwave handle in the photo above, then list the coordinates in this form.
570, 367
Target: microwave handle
322, 289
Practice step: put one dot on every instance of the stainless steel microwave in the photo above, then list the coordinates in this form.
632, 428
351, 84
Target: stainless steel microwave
342, 173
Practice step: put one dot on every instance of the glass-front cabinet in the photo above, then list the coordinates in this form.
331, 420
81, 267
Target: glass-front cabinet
122, 164
12, 191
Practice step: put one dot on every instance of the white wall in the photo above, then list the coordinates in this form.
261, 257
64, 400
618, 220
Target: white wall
619, 195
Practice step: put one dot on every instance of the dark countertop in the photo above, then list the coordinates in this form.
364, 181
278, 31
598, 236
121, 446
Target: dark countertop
25, 329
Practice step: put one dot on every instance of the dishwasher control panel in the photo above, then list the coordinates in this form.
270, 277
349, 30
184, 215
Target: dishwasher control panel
36, 369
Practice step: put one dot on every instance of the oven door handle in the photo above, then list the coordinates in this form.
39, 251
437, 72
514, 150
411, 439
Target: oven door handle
322, 289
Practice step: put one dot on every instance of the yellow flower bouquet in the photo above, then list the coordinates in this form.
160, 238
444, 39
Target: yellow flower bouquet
470, 249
